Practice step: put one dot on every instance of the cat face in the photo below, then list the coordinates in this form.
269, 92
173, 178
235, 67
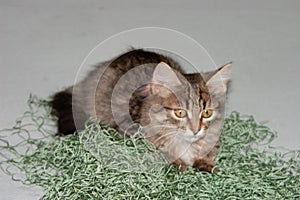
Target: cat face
184, 107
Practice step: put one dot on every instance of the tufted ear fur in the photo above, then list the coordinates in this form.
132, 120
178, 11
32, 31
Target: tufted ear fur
217, 83
164, 80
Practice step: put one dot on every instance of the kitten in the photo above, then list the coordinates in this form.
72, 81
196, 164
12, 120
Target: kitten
181, 114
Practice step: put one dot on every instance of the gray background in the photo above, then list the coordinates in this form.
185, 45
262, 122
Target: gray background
42, 44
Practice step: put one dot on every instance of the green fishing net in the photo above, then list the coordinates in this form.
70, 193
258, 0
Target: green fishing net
97, 163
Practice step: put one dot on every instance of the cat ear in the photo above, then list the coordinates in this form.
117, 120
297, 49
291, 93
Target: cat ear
218, 82
163, 78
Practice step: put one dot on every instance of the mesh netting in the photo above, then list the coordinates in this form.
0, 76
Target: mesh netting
97, 163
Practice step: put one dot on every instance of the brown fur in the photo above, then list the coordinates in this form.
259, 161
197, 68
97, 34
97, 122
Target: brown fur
151, 104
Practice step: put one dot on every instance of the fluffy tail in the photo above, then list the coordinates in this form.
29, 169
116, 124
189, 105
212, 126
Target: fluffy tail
62, 109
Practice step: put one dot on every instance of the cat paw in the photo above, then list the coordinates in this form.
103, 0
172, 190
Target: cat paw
179, 165
205, 165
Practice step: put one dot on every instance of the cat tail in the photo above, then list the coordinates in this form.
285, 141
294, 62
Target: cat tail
61, 104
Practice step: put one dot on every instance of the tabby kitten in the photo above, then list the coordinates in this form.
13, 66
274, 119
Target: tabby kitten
181, 114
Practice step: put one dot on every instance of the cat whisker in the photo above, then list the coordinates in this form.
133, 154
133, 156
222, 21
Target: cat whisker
166, 136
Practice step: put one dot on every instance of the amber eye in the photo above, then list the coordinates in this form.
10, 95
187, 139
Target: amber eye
207, 113
180, 113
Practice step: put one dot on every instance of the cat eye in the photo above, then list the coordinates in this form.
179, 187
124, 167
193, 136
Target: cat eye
180, 113
207, 113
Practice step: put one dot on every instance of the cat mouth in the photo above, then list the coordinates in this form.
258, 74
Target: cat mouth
200, 134
191, 136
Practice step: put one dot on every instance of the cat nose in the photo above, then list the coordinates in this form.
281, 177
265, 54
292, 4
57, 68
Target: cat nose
195, 128
196, 131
